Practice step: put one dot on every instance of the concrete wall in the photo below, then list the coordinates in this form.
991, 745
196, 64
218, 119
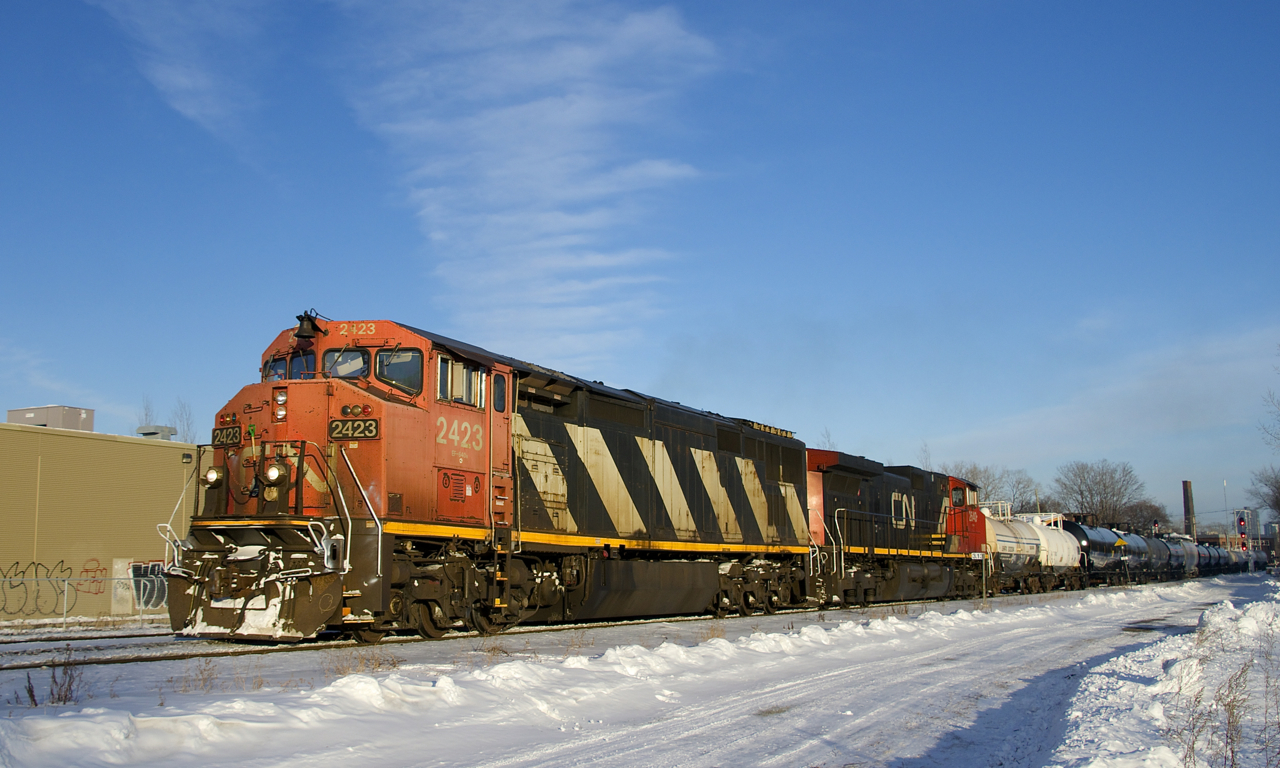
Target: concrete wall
83, 507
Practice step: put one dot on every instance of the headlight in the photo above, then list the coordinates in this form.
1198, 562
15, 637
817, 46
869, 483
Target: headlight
276, 474
281, 396
213, 477
280, 412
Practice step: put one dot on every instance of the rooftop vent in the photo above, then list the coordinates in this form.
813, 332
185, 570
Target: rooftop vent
154, 432
56, 416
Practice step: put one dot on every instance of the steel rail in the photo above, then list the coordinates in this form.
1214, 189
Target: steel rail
323, 645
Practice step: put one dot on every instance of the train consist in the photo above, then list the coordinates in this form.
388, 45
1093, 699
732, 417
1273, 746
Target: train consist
380, 478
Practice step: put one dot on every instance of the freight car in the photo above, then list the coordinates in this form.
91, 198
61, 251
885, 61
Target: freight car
381, 478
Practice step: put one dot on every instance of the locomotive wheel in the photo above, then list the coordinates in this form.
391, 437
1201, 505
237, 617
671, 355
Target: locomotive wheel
479, 622
421, 616
367, 636
746, 606
769, 606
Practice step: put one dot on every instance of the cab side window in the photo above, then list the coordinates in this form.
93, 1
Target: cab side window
957, 497
499, 393
401, 368
460, 382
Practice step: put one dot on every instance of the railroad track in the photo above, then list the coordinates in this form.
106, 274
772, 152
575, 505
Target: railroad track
50, 652
70, 637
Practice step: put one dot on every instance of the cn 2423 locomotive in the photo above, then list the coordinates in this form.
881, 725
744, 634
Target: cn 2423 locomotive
380, 478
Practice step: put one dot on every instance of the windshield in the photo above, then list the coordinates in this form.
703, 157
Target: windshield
346, 363
302, 365
274, 370
299, 365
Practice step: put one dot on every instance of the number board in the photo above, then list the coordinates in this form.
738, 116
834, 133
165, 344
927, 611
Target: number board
223, 436
353, 429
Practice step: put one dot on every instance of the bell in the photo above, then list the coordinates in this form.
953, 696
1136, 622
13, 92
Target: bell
307, 327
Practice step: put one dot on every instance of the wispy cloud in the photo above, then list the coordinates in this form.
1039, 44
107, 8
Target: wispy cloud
201, 55
1202, 397
520, 126
36, 375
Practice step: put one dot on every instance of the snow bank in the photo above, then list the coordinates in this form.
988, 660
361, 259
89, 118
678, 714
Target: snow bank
843, 680
1189, 699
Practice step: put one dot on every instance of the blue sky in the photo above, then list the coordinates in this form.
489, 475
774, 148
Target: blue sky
1019, 233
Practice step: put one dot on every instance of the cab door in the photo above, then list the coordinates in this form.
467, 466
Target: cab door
501, 402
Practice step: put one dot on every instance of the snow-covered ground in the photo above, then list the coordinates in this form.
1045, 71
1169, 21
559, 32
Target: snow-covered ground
1101, 678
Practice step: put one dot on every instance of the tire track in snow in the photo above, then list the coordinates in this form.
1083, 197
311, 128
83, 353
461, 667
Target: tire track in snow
907, 704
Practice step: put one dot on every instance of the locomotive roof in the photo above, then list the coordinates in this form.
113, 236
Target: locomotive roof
527, 369
821, 460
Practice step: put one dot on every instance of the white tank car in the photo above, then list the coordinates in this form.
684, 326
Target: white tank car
1059, 550
1016, 544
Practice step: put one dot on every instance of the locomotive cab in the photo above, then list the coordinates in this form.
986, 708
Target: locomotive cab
314, 465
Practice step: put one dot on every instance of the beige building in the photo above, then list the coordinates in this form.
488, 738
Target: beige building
79, 512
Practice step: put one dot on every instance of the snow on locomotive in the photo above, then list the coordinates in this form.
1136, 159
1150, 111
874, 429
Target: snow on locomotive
381, 478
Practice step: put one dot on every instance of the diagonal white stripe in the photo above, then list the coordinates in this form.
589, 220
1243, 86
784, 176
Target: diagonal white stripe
664, 476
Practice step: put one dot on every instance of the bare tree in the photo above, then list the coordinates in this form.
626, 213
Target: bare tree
1271, 427
1265, 490
1022, 492
989, 478
925, 457
147, 413
1143, 515
184, 421
826, 442
1101, 490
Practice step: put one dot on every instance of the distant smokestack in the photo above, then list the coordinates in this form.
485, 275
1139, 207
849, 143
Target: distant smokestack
1188, 510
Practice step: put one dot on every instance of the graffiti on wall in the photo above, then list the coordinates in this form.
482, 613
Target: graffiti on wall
39, 589
150, 590
36, 588
92, 579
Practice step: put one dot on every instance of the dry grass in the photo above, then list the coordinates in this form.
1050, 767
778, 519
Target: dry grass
66, 685
1211, 725
710, 631
248, 676
356, 661
578, 643
774, 710
201, 677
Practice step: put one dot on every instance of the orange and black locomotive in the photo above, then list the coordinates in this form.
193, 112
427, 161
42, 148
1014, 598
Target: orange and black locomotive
380, 478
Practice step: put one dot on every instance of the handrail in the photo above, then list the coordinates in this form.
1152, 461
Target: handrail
840, 536
172, 541
367, 503
346, 557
